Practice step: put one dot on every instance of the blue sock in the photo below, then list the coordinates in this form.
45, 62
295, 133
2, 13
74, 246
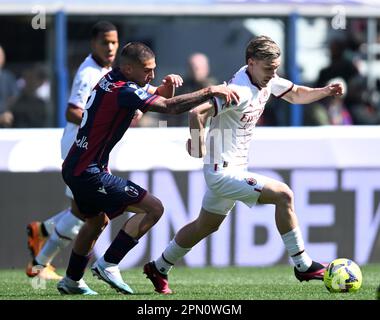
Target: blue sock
119, 247
77, 266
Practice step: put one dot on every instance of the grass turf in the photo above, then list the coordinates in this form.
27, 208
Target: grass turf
232, 283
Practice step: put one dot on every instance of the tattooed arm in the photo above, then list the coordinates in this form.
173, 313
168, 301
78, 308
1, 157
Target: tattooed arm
185, 102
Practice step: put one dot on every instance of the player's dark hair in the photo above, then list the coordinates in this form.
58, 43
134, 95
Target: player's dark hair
102, 27
136, 52
262, 48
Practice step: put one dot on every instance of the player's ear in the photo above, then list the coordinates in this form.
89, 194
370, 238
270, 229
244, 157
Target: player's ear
126, 68
251, 62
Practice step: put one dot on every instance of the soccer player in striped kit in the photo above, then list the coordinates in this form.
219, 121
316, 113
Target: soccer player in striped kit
100, 196
46, 239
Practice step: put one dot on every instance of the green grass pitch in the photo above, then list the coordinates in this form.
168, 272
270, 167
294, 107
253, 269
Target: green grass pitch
232, 283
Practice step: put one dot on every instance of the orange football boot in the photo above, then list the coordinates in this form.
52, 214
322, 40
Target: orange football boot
36, 239
46, 273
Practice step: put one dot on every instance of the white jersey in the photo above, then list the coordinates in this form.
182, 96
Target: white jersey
231, 128
87, 76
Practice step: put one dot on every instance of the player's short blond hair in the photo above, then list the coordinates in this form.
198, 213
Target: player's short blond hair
262, 48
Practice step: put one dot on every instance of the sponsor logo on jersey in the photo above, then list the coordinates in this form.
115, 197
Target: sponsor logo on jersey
251, 181
82, 143
105, 85
141, 93
131, 191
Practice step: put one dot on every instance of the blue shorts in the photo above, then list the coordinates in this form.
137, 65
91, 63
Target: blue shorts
96, 191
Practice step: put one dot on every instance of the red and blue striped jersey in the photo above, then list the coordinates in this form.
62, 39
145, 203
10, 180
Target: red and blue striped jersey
107, 115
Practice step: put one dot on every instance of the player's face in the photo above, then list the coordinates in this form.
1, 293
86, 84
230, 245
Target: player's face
262, 71
104, 47
143, 73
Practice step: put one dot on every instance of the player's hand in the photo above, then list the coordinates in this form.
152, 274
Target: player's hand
172, 80
335, 89
229, 95
192, 151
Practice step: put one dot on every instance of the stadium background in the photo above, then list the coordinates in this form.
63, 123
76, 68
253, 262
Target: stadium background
335, 172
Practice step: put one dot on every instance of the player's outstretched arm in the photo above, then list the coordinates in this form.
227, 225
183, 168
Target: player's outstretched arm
304, 95
197, 123
185, 102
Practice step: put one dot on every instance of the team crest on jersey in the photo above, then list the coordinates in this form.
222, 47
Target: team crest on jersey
251, 181
131, 191
141, 93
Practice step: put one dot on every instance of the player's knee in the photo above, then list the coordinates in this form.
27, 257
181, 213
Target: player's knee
284, 195
156, 209
99, 222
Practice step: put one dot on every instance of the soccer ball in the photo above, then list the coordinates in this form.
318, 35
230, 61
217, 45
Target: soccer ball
342, 275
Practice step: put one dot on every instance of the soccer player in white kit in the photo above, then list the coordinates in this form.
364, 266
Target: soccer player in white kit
226, 160
62, 228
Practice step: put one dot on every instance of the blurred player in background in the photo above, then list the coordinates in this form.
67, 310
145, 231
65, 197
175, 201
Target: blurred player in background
62, 228
101, 196
197, 77
226, 162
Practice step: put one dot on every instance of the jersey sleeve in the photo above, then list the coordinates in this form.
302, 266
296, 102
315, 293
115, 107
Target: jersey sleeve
80, 90
220, 105
135, 97
281, 86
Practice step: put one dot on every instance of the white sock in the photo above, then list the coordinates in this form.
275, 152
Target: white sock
294, 244
51, 248
170, 256
64, 232
52, 222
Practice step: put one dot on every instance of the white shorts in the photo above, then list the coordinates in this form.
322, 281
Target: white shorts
228, 185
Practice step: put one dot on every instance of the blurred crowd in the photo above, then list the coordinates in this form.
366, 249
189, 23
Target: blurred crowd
25, 102
359, 105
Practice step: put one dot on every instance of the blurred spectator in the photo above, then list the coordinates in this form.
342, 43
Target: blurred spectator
8, 93
198, 77
362, 109
330, 110
340, 66
30, 110
356, 102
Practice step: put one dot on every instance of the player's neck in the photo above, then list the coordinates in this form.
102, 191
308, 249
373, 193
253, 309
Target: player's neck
251, 78
99, 61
